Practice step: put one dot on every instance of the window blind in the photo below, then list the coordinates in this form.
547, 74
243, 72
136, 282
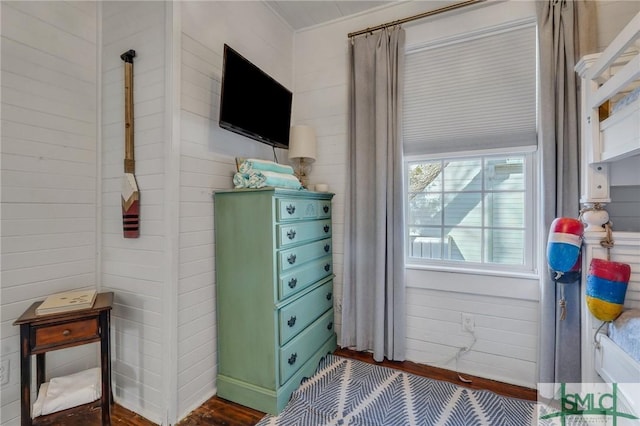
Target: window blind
473, 93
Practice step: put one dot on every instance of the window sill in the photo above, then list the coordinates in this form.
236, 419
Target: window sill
474, 271
497, 284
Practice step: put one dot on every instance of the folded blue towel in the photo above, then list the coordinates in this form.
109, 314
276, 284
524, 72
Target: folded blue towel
253, 164
261, 179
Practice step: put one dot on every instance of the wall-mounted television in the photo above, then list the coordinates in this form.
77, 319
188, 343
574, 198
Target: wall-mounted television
252, 103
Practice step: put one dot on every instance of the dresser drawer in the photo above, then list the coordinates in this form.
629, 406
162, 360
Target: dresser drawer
295, 353
324, 209
67, 333
295, 233
302, 277
297, 315
299, 255
296, 209
306, 371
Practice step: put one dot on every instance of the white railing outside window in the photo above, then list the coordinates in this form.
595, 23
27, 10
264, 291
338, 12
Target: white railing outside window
471, 211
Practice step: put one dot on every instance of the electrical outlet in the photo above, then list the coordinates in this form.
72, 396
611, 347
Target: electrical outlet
4, 372
468, 323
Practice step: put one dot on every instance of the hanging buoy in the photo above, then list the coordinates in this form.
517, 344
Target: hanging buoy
564, 244
606, 288
570, 276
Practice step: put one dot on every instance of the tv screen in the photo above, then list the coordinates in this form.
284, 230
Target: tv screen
252, 103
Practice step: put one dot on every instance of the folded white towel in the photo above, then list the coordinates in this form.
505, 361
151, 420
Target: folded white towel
37, 406
68, 391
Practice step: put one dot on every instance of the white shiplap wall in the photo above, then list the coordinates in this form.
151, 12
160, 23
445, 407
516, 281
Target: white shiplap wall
55, 163
624, 207
207, 163
48, 155
48, 168
134, 268
505, 309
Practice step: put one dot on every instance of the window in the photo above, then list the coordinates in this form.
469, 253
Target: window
469, 137
474, 209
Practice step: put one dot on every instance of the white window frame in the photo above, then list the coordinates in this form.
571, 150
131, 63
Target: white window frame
529, 267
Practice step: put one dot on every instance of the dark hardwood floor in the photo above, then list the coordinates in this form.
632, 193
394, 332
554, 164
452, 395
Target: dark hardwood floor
219, 412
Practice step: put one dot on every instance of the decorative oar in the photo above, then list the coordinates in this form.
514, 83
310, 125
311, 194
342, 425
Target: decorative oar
130, 193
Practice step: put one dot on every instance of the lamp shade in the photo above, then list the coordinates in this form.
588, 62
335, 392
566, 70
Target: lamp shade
302, 143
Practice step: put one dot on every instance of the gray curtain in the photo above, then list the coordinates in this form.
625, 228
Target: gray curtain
566, 32
373, 312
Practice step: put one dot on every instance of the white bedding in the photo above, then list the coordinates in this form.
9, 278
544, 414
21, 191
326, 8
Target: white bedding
625, 332
628, 99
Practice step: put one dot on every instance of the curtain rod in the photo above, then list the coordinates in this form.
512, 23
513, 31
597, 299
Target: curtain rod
414, 17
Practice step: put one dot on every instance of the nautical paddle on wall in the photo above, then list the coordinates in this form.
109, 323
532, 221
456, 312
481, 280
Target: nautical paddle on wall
130, 193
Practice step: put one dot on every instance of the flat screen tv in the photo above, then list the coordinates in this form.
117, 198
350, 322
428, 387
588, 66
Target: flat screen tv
252, 103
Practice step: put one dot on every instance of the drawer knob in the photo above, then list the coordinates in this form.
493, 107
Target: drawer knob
326, 228
292, 321
327, 267
291, 259
291, 209
66, 333
325, 208
293, 282
291, 234
327, 247
329, 295
292, 358
330, 326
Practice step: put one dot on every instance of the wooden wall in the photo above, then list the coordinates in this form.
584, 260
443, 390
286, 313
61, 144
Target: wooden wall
624, 207
49, 189
133, 268
207, 162
504, 308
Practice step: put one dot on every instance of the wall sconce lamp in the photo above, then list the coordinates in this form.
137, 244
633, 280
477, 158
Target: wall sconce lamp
302, 151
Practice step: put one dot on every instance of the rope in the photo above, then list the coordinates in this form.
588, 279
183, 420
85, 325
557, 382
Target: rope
563, 304
596, 342
596, 206
607, 242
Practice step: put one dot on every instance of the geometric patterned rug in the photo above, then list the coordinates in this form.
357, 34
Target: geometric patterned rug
350, 392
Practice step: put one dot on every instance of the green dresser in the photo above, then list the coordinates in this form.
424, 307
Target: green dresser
274, 281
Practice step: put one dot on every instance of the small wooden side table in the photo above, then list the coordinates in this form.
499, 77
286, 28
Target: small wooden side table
40, 334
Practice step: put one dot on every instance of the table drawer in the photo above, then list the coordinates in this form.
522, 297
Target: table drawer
295, 353
296, 209
66, 333
297, 315
295, 233
300, 278
299, 255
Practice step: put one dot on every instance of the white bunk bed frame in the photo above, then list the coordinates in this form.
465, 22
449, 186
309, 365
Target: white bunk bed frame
605, 77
